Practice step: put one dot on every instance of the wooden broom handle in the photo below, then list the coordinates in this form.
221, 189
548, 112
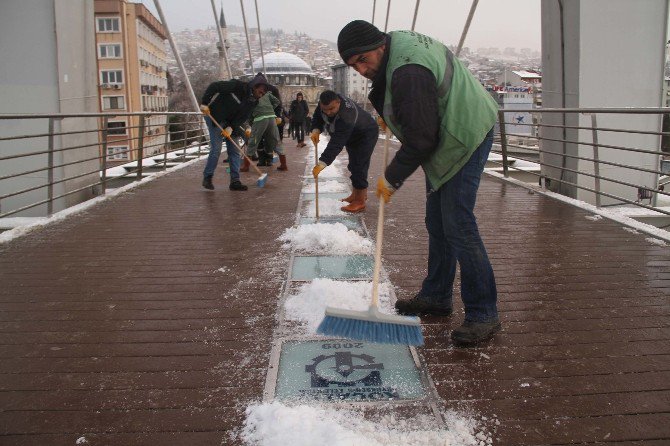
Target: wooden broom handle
380, 232
316, 180
239, 149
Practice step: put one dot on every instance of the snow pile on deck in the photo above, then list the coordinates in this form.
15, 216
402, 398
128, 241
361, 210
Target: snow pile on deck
309, 304
327, 238
276, 424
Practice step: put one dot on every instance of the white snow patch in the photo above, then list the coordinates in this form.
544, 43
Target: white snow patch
276, 424
81, 440
223, 269
310, 302
327, 206
655, 241
594, 217
631, 230
329, 238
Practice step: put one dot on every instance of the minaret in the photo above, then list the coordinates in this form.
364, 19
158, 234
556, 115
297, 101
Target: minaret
224, 31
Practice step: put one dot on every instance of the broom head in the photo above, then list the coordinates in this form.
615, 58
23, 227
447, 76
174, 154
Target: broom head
371, 326
260, 182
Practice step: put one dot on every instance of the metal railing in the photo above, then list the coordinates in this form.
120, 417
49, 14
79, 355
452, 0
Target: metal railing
619, 163
49, 162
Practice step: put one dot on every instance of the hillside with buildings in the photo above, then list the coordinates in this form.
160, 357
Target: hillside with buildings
200, 54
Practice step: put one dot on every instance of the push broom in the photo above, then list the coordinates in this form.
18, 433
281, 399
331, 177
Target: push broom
262, 179
316, 180
372, 325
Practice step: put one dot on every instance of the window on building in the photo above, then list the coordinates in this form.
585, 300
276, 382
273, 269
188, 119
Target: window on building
116, 128
108, 24
113, 103
117, 153
111, 76
109, 51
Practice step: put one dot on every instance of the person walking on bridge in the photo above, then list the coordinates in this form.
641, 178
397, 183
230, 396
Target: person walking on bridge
351, 126
297, 113
444, 120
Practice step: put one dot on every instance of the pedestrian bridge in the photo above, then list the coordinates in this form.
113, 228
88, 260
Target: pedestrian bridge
155, 316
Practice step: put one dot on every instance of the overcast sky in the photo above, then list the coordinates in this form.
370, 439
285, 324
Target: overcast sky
512, 23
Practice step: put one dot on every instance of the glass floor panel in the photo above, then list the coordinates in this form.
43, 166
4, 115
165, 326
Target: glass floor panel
350, 222
310, 179
347, 371
337, 195
332, 267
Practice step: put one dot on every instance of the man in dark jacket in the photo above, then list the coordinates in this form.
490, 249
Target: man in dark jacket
230, 104
351, 126
444, 119
297, 113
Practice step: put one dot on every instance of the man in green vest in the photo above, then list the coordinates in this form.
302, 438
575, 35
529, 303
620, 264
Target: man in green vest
444, 119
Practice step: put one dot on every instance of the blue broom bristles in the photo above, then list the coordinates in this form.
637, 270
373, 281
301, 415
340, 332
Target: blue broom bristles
261, 180
372, 331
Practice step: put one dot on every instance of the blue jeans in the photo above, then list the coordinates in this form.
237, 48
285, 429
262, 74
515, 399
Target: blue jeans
215, 142
453, 237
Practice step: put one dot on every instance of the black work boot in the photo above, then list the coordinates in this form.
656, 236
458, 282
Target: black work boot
236, 185
420, 306
207, 183
471, 333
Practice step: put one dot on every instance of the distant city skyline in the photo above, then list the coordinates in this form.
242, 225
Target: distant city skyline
515, 23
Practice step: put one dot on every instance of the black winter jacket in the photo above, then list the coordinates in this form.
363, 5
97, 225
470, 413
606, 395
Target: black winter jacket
233, 104
298, 111
351, 127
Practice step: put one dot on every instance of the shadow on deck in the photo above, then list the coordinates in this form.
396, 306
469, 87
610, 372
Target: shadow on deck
148, 319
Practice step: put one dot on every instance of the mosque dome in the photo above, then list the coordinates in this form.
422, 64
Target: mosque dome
282, 63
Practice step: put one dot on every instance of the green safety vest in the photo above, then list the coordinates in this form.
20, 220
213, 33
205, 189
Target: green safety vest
467, 110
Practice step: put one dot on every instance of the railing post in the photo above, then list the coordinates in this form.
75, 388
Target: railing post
165, 142
103, 158
188, 120
596, 163
50, 172
140, 148
503, 141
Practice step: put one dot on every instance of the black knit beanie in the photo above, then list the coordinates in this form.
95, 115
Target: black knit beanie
359, 37
258, 80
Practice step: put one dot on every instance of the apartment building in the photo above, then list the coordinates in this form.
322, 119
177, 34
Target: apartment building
132, 76
348, 82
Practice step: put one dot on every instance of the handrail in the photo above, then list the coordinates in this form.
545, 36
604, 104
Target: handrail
627, 180
66, 159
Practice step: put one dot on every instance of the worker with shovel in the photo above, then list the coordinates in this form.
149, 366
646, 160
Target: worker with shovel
444, 119
351, 126
229, 103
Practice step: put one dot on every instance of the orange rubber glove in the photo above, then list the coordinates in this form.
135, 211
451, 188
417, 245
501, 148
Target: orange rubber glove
278, 120
247, 132
205, 110
227, 132
384, 189
318, 168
